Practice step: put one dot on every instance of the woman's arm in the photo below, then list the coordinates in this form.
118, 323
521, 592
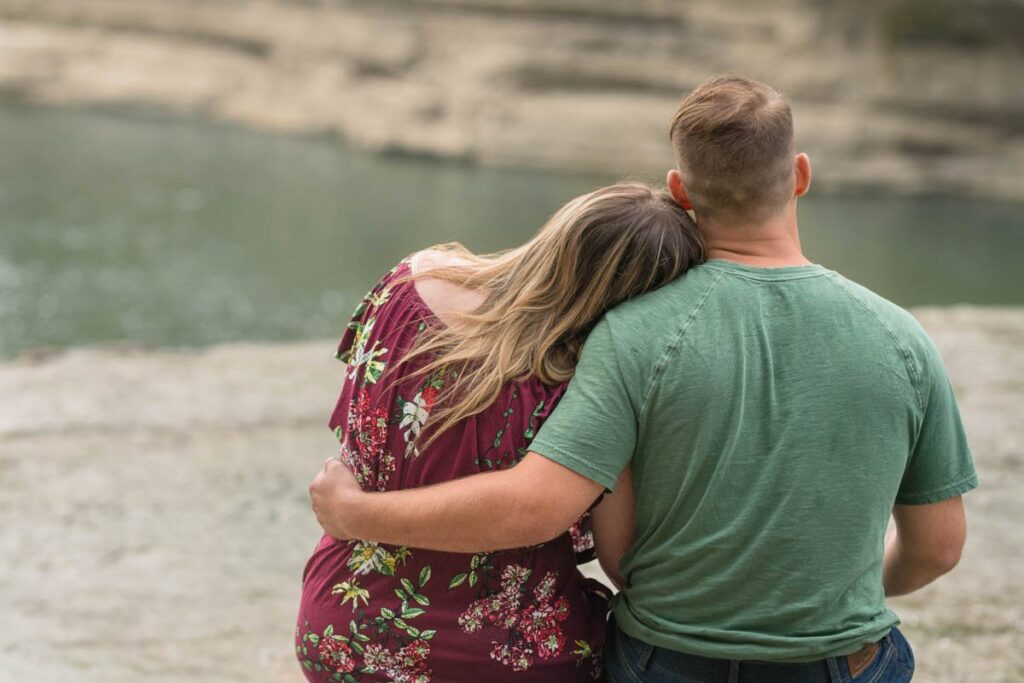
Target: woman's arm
614, 532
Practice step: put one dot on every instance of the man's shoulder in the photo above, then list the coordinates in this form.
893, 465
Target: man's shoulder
897, 320
664, 309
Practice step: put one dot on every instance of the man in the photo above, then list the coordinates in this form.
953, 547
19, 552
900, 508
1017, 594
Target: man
774, 414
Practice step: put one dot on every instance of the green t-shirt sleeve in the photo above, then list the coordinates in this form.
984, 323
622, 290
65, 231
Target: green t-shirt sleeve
940, 465
592, 430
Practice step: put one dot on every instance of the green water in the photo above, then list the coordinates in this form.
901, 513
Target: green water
181, 232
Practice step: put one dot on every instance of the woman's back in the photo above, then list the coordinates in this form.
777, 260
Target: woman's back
381, 613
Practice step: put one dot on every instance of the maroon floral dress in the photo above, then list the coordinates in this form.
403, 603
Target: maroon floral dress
374, 612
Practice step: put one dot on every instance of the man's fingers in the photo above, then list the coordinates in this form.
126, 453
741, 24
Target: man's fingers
315, 484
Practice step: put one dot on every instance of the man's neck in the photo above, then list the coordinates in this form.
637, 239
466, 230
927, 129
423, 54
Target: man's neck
773, 244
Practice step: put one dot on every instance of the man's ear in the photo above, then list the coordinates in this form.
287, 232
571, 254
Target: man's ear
803, 174
674, 180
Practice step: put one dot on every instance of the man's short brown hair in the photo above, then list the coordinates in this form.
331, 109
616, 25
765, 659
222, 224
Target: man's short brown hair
733, 140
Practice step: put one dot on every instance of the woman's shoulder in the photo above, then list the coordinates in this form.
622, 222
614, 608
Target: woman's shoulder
388, 300
446, 299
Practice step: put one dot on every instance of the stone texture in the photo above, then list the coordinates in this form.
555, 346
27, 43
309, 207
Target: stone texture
156, 522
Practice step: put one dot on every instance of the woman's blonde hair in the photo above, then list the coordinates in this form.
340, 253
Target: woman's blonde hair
543, 298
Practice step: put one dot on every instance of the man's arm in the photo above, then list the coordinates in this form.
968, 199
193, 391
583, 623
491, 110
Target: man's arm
927, 543
530, 503
578, 453
614, 530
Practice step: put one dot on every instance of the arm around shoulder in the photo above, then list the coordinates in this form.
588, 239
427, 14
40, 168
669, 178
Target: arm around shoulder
533, 502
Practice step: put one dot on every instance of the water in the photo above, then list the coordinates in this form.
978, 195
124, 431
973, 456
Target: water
182, 232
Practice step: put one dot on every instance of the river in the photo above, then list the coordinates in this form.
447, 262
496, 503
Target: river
182, 232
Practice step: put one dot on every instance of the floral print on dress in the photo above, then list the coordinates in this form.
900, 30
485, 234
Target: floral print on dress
351, 590
414, 413
369, 357
582, 534
529, 621
367, 556
387, 643
361, 354
370, 461
502, 453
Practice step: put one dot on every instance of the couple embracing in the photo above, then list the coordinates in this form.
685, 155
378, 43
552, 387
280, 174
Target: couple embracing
726, 426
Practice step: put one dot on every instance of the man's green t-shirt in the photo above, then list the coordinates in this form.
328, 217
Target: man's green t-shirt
773, 417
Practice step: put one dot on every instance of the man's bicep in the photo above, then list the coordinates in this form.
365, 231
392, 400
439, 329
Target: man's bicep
933, 528
560, 494
593, 429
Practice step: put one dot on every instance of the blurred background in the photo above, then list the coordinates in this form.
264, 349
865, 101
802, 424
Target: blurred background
183, 181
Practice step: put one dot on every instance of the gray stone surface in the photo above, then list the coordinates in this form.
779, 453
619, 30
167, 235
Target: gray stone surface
155, 517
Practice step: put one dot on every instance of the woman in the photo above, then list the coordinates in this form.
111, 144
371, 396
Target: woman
454, 361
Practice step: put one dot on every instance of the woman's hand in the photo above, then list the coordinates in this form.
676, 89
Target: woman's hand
333, 489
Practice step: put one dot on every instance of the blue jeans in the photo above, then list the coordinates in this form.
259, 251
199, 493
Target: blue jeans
628, 660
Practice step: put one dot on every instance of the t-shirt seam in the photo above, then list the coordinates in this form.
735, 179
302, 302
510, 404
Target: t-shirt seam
546, 450
618, 364
776, 277
904, 351
972, 478
673, 345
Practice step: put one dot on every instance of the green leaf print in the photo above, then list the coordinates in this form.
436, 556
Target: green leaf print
387, 635
374, 368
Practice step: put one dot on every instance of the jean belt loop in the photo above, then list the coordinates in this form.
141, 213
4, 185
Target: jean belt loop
835, 674
643, 658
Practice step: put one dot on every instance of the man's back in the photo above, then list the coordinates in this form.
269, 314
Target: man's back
778, 414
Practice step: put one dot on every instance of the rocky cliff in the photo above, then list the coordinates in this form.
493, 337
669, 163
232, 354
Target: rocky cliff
906, 95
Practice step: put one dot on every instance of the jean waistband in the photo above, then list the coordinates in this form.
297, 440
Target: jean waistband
828, 669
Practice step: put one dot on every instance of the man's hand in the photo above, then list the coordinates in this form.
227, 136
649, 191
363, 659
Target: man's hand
333, 488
